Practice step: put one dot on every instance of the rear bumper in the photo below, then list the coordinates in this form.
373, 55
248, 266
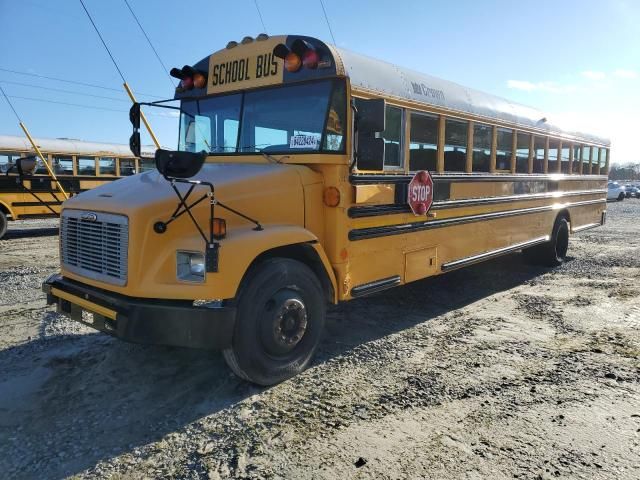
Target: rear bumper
137, 320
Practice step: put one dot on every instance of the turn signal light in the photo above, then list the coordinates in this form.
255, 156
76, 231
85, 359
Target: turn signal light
199, 80
310, 59
189, 78
300, 54
331, 197
219, 228
292, 62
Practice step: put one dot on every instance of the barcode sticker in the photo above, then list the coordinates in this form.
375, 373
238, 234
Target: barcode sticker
304, 141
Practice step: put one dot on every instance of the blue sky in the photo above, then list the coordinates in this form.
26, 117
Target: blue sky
579, 61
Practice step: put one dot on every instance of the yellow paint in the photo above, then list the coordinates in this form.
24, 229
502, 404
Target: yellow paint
85, 304
287, 199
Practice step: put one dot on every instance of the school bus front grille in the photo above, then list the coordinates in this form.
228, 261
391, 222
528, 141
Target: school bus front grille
95, 245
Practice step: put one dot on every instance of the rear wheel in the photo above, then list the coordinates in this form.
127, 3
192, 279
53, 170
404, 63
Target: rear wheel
3, 224
279, 323
553, 252
621, 197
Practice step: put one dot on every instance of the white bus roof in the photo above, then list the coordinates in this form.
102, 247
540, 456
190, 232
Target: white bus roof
387, 79
71, 146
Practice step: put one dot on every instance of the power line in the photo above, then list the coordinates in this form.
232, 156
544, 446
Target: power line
10, 104
328, 24
164, 67
73, 82
260, 15
62, 90
103, 42
81, 105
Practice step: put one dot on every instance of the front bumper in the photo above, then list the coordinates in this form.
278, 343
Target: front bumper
138, 320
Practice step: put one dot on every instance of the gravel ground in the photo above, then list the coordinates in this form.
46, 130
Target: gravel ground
498, 371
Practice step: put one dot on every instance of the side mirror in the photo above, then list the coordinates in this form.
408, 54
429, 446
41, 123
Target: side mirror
370, 153
371, 116
134, 116
134, 144
179, 164
27, 165
134, 140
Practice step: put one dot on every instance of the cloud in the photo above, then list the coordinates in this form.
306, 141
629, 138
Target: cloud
622, 73
593, 75
550, 87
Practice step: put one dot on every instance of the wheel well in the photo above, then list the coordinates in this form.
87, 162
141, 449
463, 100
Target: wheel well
4, 209
304, 253
564, 213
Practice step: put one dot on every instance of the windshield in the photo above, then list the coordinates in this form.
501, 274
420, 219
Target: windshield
293, 119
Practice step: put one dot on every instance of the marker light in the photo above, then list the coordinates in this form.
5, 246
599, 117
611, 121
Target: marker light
219, 228
292, 62
199, 80
331, 197
310, 59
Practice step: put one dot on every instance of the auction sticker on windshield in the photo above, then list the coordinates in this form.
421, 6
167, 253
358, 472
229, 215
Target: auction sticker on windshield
304, 141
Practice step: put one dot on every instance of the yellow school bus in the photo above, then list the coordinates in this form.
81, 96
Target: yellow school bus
305, 175
77, 164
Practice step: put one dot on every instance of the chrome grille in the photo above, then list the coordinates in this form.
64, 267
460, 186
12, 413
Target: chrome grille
95, 245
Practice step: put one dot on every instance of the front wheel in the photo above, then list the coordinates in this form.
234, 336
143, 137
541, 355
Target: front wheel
280, 320
553, 252
621, 197
3, 224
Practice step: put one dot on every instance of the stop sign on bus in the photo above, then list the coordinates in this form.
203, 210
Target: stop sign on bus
420, 193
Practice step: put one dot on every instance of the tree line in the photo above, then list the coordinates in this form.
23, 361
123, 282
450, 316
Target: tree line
627, 171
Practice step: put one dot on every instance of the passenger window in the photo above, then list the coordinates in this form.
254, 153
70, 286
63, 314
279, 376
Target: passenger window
565, 159
392, 136
5, 162
334, 130
107, 166
62, 165
423, 142
482, 136
552, 167
504, 148
586, 159
86, 166
455, 145
538, 159
577, 152
147, 164
522, 152
127, 167
41, 169
603, 159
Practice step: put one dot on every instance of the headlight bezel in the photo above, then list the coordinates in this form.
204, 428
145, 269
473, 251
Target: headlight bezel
190, 266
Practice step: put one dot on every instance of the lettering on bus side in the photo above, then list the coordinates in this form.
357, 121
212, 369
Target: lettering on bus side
422, 89
238, 70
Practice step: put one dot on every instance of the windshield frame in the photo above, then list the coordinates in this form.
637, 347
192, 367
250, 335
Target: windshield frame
336, 82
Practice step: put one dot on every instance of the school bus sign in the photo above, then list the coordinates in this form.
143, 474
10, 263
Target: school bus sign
420, 195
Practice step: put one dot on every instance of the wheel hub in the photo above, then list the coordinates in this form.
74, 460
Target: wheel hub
286, 323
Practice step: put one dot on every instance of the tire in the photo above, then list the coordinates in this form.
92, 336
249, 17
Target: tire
553, 252
3, 224
280, 321
621, 197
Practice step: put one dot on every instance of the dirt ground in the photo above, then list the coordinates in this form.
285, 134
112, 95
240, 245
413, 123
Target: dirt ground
501, 370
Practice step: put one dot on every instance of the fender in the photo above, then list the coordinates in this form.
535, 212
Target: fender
240, 249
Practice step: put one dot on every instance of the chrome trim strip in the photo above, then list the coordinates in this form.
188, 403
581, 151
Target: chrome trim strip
465, 261
360, 211
376, 286
582, 228
371, 179
399, 229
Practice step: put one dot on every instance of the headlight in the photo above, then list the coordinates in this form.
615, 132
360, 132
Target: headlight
190, 266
